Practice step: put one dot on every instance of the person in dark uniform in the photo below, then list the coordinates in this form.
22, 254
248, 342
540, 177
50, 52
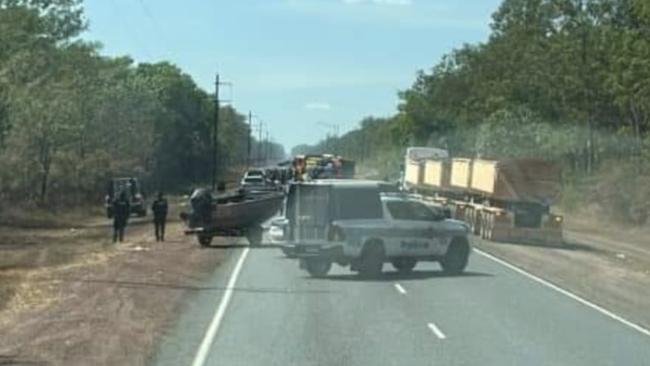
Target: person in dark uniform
159, 209
121, 212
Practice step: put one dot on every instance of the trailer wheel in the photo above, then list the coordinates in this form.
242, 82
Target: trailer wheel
372, 259
404, 265
318, 267
254, 235
485, 223
455, 260
205, 240
478, 223
489, 226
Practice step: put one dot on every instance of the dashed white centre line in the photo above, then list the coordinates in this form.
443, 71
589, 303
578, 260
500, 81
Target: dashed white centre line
400, 289
436, 331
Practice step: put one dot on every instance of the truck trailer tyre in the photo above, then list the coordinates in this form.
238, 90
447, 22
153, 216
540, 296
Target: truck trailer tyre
289, 252
372, 259
455, 260
489, 226
205, 240
318, 267
404, 265
254, 236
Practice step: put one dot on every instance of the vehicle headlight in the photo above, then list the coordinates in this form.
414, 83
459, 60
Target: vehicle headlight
559, 219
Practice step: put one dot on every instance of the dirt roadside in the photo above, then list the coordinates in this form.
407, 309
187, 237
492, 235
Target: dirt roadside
607, 265
68, 296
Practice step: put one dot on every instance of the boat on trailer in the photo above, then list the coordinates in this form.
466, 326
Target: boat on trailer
239, 213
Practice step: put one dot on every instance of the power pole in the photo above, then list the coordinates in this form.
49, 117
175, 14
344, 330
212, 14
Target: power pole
260, 144
333, 127
248, 144
215, 134
266, 150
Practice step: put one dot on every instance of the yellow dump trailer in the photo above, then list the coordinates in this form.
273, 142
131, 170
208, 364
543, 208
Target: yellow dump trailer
461, 173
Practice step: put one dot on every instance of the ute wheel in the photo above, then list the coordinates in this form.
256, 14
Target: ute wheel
455, 260
205, 240
254, 236
404, 265
318, 267
372, 259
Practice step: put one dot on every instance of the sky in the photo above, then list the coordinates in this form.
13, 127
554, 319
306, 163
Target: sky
303, 67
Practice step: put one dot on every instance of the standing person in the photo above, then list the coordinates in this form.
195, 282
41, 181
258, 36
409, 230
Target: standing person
121, 212
159, 209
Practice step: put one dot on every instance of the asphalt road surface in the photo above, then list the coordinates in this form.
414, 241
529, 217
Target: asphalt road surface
274, 314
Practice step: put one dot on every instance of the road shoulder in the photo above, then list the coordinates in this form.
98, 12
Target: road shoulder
107, 306
588, 268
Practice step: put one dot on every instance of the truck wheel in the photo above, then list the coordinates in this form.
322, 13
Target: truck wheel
489, 225
455, 260
254, 236
318, 267
372, 259
484, 220
477, 223
404, 265
205, 240
142, 213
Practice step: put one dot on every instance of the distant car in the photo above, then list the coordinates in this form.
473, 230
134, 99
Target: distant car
255, 173
251, 183
354, 223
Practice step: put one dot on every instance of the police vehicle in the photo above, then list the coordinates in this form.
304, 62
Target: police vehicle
364, 224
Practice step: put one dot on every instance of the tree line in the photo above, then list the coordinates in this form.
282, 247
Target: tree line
72, 118
567, 80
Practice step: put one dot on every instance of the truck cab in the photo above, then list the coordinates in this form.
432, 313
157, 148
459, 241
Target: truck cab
364, 224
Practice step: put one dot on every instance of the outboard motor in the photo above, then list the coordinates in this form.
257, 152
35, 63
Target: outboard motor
202, 204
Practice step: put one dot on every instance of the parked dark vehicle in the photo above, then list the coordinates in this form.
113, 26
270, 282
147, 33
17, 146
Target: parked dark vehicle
132, 188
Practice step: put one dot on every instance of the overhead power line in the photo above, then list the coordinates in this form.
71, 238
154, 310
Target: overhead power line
128, 30
157, 28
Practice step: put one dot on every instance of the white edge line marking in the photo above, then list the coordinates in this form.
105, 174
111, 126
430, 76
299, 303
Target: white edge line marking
400, 289
202, 353
566, 293
436, 331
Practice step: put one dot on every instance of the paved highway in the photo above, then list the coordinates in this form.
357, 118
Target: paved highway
493, 315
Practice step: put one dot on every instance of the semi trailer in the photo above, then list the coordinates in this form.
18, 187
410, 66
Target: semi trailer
504, 200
